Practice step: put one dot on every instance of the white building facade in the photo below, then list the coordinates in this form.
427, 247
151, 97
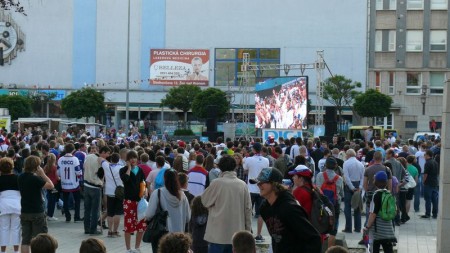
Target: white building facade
72, 44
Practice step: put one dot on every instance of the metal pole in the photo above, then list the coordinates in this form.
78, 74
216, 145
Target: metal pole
127, 110
48, 110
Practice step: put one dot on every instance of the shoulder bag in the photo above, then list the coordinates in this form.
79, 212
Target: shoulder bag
119, 193
157, 226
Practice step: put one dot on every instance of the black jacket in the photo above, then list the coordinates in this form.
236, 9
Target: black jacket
131, 183
289, 226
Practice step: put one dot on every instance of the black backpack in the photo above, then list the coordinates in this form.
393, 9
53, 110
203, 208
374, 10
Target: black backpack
322, 211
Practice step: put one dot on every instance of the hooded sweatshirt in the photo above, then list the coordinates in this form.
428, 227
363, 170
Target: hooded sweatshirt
179, 210
289, 227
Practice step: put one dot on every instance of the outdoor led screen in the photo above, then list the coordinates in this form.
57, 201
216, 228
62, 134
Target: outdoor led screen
280, 103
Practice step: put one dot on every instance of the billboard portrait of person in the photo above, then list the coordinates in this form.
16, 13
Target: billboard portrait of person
197, 64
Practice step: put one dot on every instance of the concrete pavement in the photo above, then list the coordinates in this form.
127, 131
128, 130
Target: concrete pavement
416, 236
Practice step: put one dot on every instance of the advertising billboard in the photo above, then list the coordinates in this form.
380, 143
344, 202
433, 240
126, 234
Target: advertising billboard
281, 103
172, 67
286, 134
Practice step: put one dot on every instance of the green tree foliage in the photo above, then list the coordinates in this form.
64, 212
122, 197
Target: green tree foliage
18, 106
181, 97
86, 102
372, 103
210, 96
340, 91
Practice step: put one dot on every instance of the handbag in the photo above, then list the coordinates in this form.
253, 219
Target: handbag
411, 182
119, 192
157, 226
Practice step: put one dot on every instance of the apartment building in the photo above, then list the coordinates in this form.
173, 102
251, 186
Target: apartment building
408, 59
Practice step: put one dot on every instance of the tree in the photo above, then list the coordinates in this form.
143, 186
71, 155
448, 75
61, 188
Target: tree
18, 106
86, 102
210, 96
181, 97
340, 91
373, 103
40, 99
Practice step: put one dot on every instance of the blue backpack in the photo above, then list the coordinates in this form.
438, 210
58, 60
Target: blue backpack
159, 180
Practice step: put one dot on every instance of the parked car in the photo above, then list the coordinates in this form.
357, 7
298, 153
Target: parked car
424, 135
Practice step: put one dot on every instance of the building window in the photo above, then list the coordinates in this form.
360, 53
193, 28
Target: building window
378, 41
413, 83
439, 4
437, 80
385, 122
377, 81
392, 4
228, 63
414, 5
410, 124
414, 41
391, 83
438, 40
391, 46
379, 5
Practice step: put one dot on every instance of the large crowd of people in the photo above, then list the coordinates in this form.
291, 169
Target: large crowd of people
211, 191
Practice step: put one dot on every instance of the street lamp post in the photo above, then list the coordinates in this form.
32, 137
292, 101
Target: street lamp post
44, 99
230, 94
230, 98
127, 100
423, 98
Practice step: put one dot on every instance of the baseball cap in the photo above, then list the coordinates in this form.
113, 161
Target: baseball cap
268, 175
182, 144
381, 176
331, 162
257, 146
301, 170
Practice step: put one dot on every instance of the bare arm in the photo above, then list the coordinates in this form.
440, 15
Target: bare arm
48, 183
366, 183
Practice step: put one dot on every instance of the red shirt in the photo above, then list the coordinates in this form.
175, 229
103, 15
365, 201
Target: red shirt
145, 168
304, 197
53, 175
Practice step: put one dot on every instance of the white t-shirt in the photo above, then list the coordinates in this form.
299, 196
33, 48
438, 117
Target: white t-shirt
420, 155
4, 147
69, 171
254, 165
110, 186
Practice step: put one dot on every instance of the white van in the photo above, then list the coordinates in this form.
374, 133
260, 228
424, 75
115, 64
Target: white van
421, 134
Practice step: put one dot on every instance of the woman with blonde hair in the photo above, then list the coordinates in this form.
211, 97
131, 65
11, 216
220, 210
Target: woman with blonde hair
192, 157
9, 206
52, 195
60, 144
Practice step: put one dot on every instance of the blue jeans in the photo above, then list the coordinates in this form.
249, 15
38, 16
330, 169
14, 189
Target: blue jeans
220, 248
52, 197
348, 209
256, 201
417, 192
92, 199
431, 195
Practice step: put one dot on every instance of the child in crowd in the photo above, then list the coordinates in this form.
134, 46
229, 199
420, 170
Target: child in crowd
197, 225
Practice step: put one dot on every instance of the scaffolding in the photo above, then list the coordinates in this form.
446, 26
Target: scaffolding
247, 90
